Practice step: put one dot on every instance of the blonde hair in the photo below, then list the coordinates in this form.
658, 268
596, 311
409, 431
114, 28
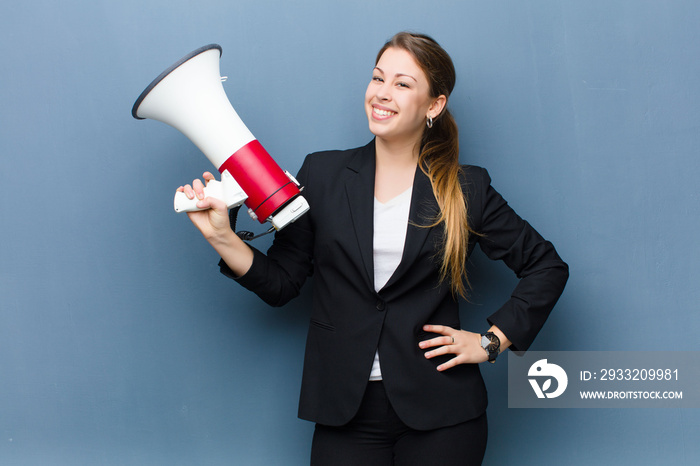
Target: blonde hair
439, 157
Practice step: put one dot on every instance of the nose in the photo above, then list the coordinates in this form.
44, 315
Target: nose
383, 92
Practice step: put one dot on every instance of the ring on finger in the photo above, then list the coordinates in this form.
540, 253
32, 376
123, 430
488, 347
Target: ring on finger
453, 340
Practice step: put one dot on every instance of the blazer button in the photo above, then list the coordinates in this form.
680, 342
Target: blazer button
381, 305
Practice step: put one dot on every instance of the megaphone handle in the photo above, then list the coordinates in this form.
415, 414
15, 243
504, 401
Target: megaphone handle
226, 190
184, 204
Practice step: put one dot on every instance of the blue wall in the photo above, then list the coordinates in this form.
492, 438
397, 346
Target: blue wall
121, 344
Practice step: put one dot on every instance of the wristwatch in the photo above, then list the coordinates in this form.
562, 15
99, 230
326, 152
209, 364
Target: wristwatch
491, 343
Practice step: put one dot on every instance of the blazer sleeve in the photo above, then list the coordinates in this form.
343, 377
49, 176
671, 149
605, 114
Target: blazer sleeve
503, 235
278, 276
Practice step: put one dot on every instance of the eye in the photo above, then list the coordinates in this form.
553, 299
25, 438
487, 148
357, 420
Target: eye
404, 85
377, 79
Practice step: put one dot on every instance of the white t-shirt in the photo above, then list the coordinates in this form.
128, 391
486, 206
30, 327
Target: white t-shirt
390, 225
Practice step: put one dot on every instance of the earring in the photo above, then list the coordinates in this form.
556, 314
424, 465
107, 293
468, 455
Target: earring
430, 122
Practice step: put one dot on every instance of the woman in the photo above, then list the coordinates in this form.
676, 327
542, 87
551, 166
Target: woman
389, 376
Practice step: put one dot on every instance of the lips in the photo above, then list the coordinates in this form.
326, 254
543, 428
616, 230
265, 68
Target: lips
382, 113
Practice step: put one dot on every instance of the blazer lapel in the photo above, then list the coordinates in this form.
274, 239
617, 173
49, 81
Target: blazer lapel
359, 187
424, 209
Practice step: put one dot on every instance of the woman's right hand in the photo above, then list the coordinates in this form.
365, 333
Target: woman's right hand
214, 224
213, 221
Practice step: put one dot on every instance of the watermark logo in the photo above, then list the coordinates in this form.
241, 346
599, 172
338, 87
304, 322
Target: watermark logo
604, 379
547, 371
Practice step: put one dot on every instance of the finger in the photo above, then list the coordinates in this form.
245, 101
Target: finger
443, 329
439, 341
198, 187
208, 177
187, 189
449, 364
216, 204
441, 351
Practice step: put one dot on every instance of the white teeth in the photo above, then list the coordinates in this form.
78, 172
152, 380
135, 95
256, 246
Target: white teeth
383, 112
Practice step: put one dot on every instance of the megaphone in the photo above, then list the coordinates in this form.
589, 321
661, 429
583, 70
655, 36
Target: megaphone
190, 97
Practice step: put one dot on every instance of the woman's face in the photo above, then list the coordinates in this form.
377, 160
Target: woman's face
397, 101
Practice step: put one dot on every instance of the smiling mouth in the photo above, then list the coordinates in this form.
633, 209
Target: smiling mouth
382, 113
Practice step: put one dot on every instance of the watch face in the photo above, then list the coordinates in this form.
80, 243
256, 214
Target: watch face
490, 342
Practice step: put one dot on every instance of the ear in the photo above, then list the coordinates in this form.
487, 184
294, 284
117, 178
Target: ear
437, 107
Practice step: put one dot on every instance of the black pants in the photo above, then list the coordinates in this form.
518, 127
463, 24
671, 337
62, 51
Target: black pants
377, 437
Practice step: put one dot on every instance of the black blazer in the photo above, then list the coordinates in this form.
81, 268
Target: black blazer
349, 320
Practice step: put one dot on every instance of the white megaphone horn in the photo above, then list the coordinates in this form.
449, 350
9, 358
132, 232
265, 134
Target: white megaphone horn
189, 97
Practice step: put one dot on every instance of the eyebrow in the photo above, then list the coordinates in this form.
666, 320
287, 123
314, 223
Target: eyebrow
398, 75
